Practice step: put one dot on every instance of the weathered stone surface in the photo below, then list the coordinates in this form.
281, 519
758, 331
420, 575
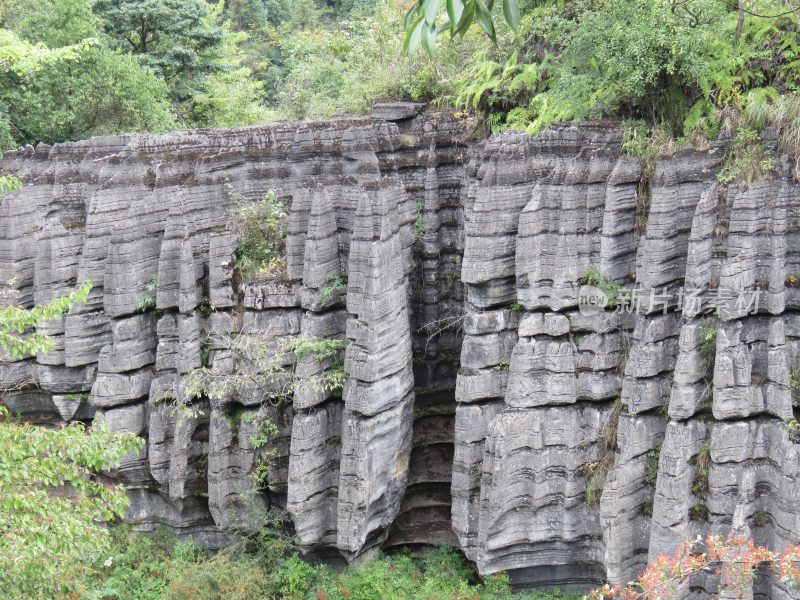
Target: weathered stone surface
532, 512
482, 405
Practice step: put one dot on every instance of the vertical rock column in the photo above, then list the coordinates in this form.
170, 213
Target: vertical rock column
378, 395
679, 190
538, 389
317, 426
728, 465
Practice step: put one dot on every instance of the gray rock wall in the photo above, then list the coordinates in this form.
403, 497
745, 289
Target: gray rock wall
482, 406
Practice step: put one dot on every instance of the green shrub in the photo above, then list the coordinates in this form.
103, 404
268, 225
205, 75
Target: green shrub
699, 512
347, 66
261, 251
746, 160
9, 183
702, 463
158, 567
708, 350
793, 428
594, 278
148, 301
651, 466
334, 284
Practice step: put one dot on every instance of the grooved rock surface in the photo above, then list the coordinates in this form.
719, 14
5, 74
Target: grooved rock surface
485, 405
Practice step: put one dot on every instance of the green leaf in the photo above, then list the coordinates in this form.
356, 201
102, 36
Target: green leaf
466, 18
511, 12
429, 34
455, 8
484, 18
431, 8
413, 38
409, 18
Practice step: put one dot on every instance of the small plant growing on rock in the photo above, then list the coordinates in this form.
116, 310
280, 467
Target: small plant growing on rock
760, 518
793, 427
702, 463
265, 433
651, 466
746, 161
646, 143
699, 512
149, 300
603, 283
334, 284
261, 251
332, 441
450, 280
708, 351
205, 354
503, 365
320, 348
419, 224
597, 471
794, 385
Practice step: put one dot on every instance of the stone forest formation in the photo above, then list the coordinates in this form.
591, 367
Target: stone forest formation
482, 407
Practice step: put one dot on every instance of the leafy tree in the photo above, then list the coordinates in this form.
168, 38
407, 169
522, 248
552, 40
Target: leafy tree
98, 92
178, 39
649, 55
231, 96
72, 91
263, 370
54, 23
53, 502
18, 335
53, 499
250, 15
347, 67
9, 183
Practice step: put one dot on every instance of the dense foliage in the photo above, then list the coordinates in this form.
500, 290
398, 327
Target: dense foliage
158, 567
53, 498
53, 503
70, 69
74, 68
681, 64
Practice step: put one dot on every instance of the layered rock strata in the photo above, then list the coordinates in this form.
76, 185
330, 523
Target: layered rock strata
485, 404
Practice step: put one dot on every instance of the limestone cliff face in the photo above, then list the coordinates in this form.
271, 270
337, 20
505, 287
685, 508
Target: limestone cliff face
563, 447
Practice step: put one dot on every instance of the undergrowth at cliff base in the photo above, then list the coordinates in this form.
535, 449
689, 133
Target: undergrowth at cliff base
158, 566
